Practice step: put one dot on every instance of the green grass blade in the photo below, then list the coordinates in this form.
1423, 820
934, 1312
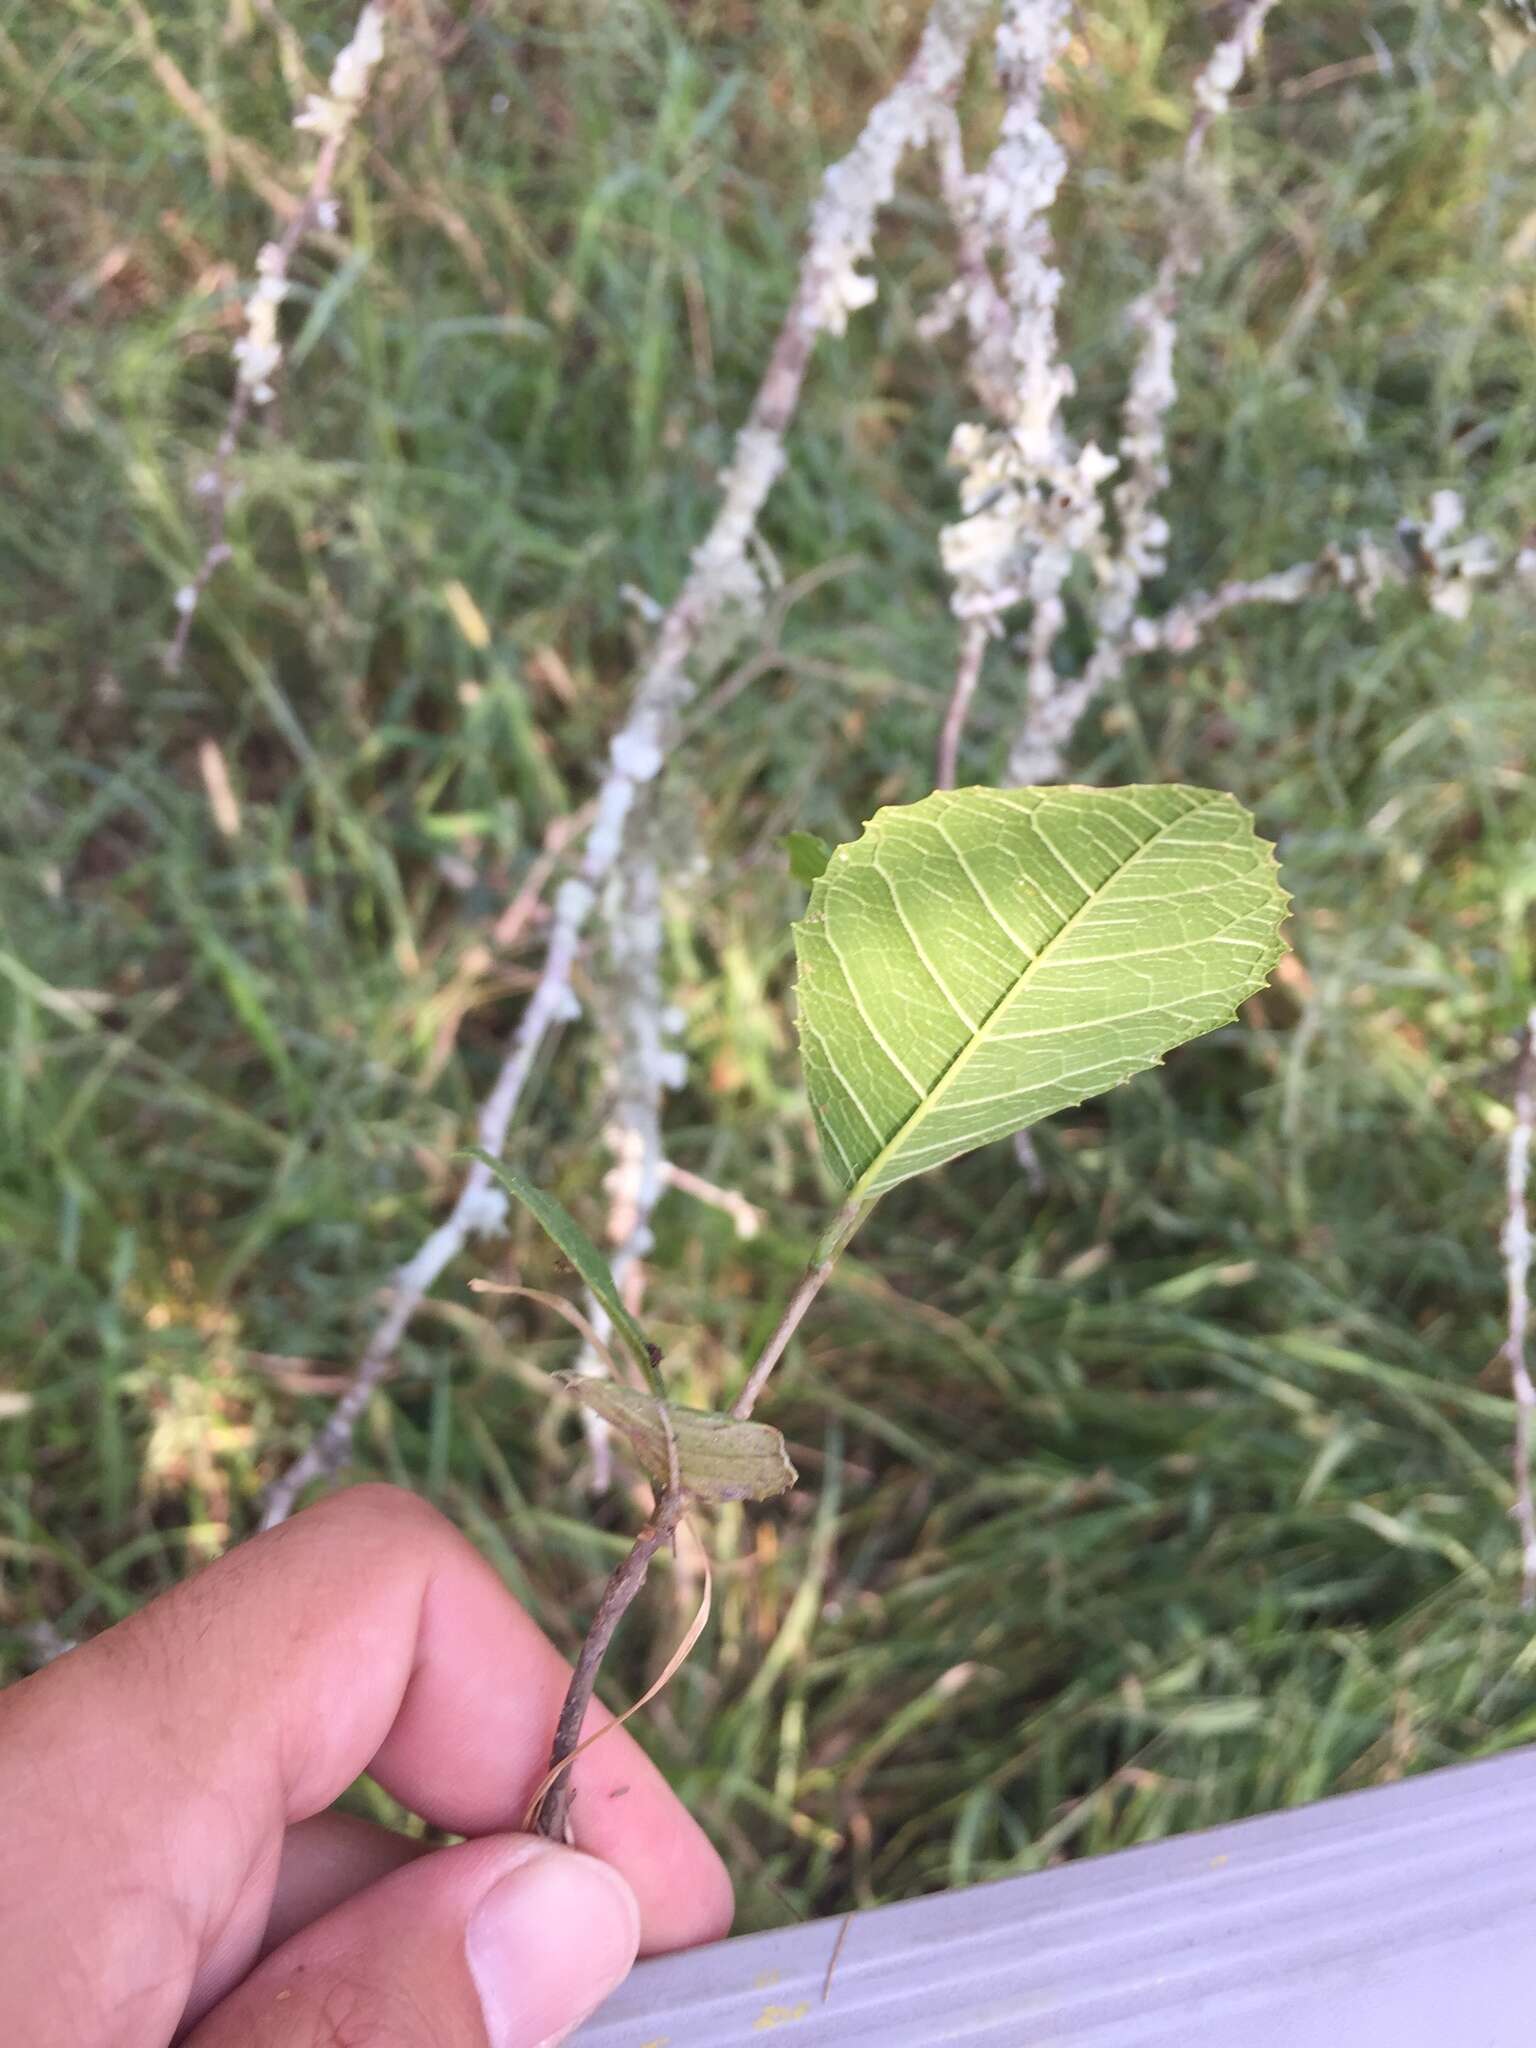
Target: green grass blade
562, 1228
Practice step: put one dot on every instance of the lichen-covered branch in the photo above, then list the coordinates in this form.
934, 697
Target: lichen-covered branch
1142, 538
1447, 569
1122, 563
1028, 498
721, 590
644, 1064
831, 286
1139, 549
1446, 572
1031, 499
973, 296
258, 352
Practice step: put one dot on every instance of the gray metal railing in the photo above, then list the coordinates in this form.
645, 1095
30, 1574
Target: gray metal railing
1401, 1917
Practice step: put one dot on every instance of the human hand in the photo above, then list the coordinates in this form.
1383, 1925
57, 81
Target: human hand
163, 1792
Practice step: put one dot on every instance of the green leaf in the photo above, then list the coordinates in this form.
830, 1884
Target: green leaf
808, 856
985, 957
560, 1225
718, 1458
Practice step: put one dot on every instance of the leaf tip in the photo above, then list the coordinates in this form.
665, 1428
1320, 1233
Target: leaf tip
808, 856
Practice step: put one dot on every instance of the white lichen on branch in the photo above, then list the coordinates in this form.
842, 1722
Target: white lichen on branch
1225, 66
330, 114
1446, 573
1021, 488
258, 349
1037, 507
1030, 496
643, 1064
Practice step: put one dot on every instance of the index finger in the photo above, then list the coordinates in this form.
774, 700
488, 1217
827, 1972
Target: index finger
164, 1759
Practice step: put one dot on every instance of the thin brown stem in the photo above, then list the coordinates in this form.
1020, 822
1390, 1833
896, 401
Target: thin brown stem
844, 1224
973, 649
214, 486
618, 1597
794, 1311
746, 1216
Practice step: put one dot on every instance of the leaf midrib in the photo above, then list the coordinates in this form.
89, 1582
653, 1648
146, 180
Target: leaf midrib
859, 1191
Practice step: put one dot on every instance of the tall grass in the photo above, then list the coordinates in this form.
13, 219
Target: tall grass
1175, 1491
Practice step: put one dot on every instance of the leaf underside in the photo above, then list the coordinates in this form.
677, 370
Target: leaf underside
718, 1458
985, 957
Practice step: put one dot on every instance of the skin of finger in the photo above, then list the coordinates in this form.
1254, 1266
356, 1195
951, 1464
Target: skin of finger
389, 1967
325, 1860
147, 1778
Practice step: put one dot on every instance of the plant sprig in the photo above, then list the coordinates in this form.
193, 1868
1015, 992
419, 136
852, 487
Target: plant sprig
970, 964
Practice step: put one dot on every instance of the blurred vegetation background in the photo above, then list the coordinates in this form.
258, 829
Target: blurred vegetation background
1169, 1491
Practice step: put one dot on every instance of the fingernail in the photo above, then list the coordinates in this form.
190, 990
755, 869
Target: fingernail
547, 1944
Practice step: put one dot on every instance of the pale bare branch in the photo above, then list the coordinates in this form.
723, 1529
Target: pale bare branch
722, 589
973, 650
1138, 550
331, 116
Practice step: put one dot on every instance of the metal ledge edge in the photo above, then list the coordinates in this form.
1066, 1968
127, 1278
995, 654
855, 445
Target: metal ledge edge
1400, 1917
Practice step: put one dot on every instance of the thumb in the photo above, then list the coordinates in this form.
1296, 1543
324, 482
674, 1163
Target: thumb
506, 1942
